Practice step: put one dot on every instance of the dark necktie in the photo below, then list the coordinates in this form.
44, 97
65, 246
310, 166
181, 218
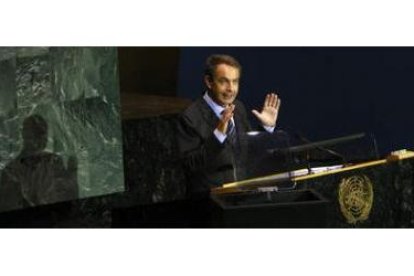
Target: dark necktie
231, 131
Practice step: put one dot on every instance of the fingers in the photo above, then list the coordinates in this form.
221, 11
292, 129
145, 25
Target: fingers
272, 100
279, 102
228, 113
269, 99
275, 100
226, 116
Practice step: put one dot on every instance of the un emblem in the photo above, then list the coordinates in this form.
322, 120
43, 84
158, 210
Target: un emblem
355, 198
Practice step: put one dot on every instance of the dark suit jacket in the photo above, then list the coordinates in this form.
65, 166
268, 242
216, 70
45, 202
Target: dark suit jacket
209, 163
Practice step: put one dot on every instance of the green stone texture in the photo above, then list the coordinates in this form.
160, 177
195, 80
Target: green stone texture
75, 89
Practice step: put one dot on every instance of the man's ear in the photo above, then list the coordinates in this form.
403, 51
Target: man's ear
208, 81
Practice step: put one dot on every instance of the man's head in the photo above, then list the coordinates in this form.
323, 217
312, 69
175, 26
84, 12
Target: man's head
222, 75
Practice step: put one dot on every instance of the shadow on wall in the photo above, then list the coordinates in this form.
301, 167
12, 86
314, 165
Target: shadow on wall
36, 177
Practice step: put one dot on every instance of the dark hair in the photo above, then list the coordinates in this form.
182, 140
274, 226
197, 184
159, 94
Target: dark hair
214, 60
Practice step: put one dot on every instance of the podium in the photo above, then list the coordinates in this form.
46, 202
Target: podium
376, 193
292, 209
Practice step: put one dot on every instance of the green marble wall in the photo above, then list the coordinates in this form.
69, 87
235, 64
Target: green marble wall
75, 90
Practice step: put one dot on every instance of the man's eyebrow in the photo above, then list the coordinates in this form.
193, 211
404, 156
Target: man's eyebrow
224, 78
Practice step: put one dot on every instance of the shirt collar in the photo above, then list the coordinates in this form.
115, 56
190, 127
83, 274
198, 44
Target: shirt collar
217, 109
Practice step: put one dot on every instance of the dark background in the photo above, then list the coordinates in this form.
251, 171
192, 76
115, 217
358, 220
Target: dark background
326, 91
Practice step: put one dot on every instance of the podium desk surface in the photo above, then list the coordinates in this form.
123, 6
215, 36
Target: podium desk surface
304, 174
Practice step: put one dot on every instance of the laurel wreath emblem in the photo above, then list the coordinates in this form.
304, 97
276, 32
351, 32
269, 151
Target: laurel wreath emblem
356, 198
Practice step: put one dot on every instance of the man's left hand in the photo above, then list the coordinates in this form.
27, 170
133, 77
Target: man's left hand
270, 110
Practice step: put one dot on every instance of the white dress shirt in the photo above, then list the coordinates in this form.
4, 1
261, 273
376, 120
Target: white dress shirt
218, 109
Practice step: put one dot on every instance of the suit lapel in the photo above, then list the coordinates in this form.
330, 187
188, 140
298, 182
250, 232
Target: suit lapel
208, 114
239, 122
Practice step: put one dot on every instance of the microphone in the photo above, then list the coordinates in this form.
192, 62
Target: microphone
323, 149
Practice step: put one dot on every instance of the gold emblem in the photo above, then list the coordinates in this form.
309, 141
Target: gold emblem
355, 198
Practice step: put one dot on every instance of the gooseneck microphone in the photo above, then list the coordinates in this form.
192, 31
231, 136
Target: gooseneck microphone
323, 149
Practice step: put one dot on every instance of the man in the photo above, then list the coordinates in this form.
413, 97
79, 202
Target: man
210, 129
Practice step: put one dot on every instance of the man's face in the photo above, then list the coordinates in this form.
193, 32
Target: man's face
224, 85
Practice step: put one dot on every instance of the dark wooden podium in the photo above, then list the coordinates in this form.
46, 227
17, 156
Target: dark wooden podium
269, 209
375, 194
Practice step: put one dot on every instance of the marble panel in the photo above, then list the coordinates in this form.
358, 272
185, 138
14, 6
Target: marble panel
60, 125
